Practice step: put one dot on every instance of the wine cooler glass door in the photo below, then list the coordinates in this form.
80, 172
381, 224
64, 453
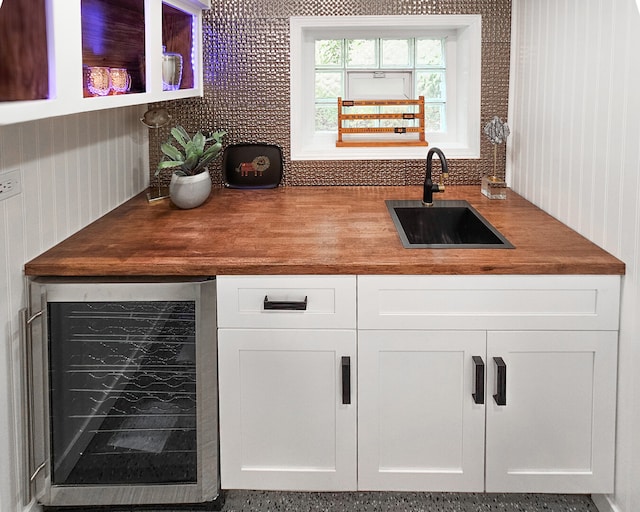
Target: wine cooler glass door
123, 392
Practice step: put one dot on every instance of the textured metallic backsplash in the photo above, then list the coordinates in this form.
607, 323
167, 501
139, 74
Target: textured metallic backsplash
246, 85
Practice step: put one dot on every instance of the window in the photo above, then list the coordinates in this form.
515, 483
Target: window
386, 57
398, 68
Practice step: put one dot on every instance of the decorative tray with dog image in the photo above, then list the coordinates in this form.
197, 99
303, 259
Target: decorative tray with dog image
252, 166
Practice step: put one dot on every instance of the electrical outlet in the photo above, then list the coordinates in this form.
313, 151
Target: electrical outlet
10, 184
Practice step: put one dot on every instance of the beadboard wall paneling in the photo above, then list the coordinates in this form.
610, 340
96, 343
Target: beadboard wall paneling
575, 152
74, 170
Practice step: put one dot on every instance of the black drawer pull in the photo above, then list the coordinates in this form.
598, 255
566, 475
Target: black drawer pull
478, 372
346, 380
285, 305
501, 381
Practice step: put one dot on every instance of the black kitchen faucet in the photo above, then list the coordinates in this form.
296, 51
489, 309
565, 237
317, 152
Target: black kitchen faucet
429, 186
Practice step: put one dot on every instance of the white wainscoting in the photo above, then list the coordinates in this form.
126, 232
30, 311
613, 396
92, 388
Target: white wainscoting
74, 169
574, 111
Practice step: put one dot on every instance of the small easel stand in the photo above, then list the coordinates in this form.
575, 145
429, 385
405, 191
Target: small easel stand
155, 118
418, 116
157, 193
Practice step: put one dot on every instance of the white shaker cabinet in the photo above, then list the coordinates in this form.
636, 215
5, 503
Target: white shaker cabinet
555, 432
549, 417
463, 383
550, 409
287, 395
418, 425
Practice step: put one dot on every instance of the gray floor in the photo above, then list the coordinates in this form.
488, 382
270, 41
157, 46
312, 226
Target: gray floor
260, 501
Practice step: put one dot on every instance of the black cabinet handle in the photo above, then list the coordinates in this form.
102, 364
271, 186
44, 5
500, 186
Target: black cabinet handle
346, 380
501, 381
478, 372
285, 305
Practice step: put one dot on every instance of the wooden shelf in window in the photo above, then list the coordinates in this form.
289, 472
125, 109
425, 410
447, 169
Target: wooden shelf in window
397, 130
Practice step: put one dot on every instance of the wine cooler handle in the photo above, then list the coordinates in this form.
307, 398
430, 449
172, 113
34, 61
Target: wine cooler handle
346, 380
285, 305
501, 381
478, 375
28, 399
27, 386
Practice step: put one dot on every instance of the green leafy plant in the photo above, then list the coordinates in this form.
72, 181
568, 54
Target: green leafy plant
189, 155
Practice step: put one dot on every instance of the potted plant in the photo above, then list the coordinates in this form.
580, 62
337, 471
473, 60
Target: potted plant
189, 156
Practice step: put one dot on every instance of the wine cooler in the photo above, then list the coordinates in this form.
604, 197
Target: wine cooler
121, 391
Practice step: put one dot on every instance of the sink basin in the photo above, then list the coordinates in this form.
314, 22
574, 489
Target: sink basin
445, 225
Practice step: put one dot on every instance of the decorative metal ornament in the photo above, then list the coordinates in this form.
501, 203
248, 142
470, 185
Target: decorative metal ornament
497, 130
155, 118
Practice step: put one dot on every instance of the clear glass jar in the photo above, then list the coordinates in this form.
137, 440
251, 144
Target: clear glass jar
171, 70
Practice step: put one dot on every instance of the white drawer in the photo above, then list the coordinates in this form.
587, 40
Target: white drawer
330, 301
532, 302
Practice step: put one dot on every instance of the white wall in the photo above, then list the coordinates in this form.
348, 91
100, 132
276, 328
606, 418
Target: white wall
74, 170
575, 152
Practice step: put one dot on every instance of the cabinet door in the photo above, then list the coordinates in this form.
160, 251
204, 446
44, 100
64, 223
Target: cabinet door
419, 427
555, 432
284, 423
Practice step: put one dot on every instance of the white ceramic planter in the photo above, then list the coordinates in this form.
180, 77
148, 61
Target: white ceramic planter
190, 191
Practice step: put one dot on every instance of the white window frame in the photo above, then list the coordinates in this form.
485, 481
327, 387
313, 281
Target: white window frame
464, 52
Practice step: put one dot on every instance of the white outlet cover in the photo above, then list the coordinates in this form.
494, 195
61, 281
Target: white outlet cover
10, 184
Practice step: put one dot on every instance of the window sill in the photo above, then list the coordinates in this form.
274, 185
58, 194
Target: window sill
326, 152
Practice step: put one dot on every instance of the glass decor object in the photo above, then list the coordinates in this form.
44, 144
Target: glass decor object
99, 81
493, 186
171, 70
120, 80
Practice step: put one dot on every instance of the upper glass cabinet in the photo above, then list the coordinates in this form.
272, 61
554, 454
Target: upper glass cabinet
60, 57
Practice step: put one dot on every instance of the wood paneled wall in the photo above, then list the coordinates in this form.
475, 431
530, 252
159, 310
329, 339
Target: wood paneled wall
74, 170
575, 152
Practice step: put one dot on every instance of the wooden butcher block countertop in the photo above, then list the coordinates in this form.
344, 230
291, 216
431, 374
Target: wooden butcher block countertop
311, 230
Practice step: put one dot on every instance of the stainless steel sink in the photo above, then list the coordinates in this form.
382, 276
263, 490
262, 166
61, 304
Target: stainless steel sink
445, 225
